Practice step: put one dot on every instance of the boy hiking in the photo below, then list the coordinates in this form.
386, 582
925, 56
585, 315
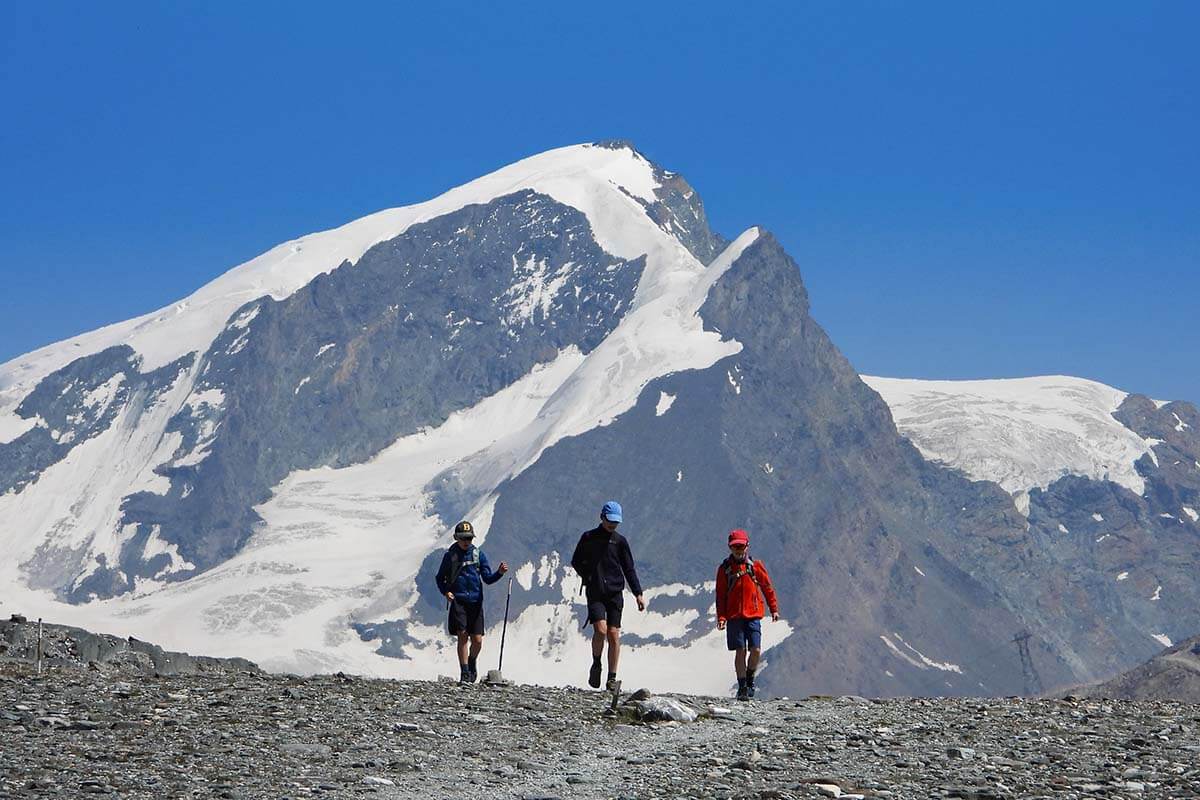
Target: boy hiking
604, 562
742, 583
460, 580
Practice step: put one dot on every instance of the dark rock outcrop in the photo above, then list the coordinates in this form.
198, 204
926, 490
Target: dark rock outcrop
64, 646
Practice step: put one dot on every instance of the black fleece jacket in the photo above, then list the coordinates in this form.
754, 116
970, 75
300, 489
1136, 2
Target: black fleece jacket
605, 563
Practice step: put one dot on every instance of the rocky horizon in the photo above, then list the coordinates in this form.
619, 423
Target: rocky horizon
113, 729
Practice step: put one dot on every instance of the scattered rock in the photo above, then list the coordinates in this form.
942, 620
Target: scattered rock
307, 750
235, 734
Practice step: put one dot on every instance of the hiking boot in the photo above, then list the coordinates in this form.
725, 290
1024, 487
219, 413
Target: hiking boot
750, 690
594, 675
465, 676
612, 684
743, 693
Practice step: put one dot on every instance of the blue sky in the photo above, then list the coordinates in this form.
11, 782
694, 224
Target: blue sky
971, 190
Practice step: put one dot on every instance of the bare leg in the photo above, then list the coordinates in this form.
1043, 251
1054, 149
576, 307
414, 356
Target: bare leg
476, 645
755, 654
599, 634
739, 662
614, 648
462, 649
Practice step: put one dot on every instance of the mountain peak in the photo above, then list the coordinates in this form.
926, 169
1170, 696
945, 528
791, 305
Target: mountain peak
577, 175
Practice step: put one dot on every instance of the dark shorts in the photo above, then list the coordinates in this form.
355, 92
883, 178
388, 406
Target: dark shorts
743, 633
465, 618
606, 608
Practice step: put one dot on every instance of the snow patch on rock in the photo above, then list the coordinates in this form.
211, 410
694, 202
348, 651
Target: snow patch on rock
665, 401
915, 657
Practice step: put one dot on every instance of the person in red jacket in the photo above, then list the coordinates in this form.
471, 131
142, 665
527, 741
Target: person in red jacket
742, 583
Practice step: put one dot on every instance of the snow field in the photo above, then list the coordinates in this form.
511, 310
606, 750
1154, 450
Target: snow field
1020, 433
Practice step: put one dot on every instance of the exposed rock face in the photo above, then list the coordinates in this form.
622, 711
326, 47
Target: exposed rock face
76, 403
1129, 557
785, 440
430, 322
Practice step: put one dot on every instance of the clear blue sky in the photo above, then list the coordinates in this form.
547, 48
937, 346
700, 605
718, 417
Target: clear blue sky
970, 189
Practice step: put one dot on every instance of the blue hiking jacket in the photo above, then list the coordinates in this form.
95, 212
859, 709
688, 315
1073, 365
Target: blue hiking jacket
473, 571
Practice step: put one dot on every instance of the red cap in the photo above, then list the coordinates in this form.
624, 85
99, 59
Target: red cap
739, 536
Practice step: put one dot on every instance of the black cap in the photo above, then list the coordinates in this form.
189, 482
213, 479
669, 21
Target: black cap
464, 530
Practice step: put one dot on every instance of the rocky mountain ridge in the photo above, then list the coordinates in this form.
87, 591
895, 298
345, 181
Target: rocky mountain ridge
1173, 674
66, 647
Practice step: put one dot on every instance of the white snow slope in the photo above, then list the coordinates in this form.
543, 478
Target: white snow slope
343, 545
1021, 433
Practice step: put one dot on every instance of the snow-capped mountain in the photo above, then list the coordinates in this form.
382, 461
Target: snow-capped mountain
270, 467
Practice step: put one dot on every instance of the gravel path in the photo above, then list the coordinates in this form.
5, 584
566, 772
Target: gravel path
76, 732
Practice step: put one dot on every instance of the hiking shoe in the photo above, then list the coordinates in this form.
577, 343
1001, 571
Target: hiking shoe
594, 676
750, 690
473, 674
612, 684
743, 693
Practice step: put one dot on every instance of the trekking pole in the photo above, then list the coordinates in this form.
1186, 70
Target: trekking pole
39, 647
504, 629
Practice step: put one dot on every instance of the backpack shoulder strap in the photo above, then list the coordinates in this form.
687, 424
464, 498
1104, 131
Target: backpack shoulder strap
460, 562
731, 575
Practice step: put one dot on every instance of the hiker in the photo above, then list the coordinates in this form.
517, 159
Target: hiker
604, 562
742, 583
460, 580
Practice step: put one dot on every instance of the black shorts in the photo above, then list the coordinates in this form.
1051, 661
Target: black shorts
465, 618
606, 608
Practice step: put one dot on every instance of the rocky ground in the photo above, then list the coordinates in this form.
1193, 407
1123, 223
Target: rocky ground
106, 732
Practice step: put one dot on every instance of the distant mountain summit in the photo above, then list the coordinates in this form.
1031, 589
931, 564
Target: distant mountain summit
270, 467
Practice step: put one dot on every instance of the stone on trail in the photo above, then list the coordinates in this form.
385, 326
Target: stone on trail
664, 709
311, 750
374, 781
494, 678
720, 712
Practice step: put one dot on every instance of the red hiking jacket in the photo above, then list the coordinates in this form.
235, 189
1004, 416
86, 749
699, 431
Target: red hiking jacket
742, 599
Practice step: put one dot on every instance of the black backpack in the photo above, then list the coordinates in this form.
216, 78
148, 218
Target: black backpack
460, 562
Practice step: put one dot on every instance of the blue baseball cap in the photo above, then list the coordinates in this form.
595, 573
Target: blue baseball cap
611, 511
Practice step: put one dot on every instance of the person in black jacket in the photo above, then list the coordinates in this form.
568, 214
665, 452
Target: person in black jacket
460, 579
603, 559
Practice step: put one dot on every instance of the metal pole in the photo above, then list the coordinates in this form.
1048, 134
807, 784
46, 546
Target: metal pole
39, 647
504, 630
